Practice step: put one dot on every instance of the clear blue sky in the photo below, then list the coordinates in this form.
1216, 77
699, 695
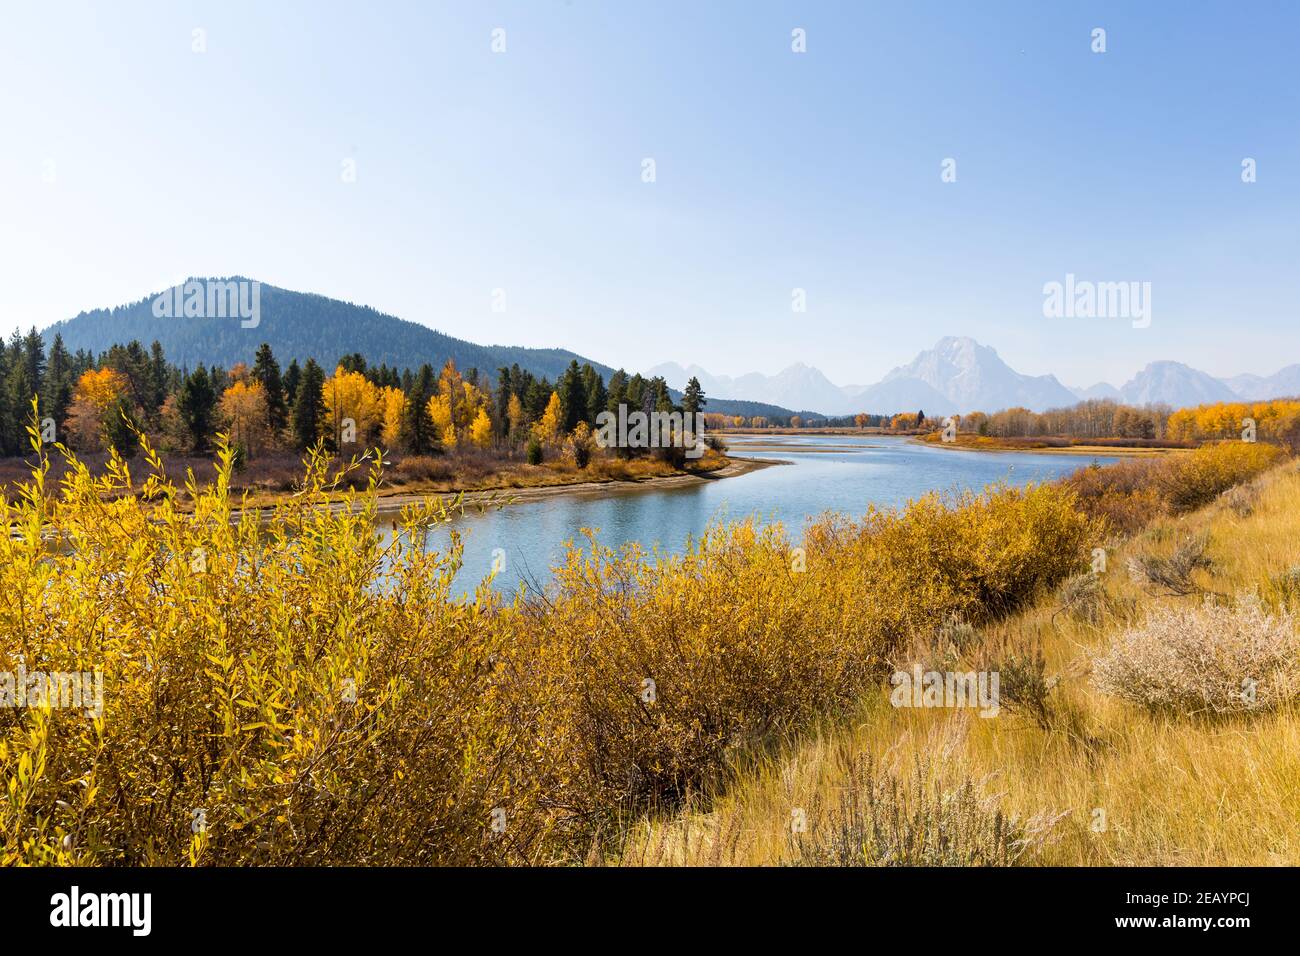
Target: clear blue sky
775, 170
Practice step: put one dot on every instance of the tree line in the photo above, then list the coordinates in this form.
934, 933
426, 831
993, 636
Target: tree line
93, 402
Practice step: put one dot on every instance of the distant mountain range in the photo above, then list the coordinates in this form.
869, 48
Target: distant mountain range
300, 325
960, 375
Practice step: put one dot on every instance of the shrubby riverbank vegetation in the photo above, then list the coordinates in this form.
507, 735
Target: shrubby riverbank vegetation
1149, 718
298, 691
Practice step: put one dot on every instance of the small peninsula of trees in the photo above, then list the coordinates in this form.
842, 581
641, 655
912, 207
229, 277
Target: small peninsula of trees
93, 402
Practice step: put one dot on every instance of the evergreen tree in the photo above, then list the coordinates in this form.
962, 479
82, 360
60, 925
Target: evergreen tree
121, 427
159, 378
309, 405
617, 393
132, 362
415, 431
220, 380
537, 398
18, 396
693, 398
34, 360
267, 371
634, 395
197, 404
658, 396
594, 386
573, 398
9, 428
82, 362
504, 391
292, 376
58, 385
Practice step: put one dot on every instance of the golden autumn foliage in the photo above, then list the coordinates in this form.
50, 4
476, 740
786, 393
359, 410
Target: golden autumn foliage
321, 697
94, 397
393, 402
547, 428
100, 388
454, 408
263, 700
350, 395
1131, 493
480, 430
1275, 421
315, 692
243, 410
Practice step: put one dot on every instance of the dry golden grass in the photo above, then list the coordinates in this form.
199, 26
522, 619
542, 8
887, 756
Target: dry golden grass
315, 692
1110, 783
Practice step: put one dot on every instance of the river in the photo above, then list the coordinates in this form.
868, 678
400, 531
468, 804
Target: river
826, 473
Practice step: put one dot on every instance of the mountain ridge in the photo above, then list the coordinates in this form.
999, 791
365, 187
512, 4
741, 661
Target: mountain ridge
302, 325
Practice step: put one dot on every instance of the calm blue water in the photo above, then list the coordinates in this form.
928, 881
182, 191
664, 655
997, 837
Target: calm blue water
827, 473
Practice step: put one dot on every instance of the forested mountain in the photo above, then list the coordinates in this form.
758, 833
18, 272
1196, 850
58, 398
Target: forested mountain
300, 325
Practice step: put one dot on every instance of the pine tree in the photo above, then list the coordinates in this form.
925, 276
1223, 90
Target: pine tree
573, 398
10, 431
659, 398
196, 404
309, 405
159, 378
416, 431
594, 386
18, 396
693, 399
58, 384
536, 398
617, 393
292, 376
34, 360
267, 371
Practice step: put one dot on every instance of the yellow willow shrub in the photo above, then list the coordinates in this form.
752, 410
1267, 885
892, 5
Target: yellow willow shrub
1129, 494
292, 692
1190, 481
973, 555
649, 670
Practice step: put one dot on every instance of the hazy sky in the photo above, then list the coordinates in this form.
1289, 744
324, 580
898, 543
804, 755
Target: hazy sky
775, 170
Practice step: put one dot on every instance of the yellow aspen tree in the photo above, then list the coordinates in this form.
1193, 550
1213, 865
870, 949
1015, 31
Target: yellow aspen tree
480, 432
515, 415
393, 402
243, 410
547, 428
350, 395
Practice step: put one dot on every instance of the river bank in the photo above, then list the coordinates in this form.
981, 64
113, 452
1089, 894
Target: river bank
391, 501
1047, 447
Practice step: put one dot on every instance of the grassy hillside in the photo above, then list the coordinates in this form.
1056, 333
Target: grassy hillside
1070, 772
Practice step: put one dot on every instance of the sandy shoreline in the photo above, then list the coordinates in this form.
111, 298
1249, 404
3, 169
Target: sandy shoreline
591, 489
390, 505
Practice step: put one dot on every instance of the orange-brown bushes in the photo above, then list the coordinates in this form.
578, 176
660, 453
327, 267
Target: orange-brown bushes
1129, 494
